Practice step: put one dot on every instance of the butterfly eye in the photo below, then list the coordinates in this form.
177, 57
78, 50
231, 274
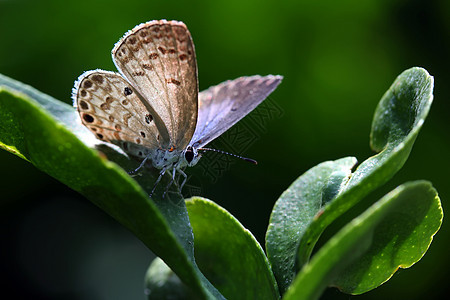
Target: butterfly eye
189, 154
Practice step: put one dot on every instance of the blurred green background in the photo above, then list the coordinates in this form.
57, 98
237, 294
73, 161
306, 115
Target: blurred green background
337, 59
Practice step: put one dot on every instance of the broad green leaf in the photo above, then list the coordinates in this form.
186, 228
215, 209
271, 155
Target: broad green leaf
294, 211
228, 254
394, 233
30, 132
397, 122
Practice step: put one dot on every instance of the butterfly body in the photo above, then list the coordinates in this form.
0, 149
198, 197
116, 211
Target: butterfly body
178, 159
152, 108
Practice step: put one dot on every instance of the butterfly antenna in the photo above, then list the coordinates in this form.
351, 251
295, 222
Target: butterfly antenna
231, 154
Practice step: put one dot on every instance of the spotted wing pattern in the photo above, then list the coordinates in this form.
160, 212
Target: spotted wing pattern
113, 110
158, 59
223, 105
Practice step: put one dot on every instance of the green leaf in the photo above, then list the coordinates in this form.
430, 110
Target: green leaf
397, 122
228, 253
294, 211
394, 232
294, 224
30, 132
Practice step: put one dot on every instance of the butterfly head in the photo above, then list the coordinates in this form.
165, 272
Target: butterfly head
191, 156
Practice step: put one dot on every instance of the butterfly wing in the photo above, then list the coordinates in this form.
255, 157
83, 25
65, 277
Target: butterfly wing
158, 59
112, 109
223, 105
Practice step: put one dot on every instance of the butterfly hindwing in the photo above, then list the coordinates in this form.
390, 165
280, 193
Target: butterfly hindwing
223, 105
158, 59
112, 109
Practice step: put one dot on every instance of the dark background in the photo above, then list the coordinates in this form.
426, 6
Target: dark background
337, 57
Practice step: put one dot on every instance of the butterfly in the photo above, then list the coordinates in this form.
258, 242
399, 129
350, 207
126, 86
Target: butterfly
152, 108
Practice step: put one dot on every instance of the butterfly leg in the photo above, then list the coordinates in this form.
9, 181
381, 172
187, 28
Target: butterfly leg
181, 172
161, 174
184, 180
171, 181
140, 166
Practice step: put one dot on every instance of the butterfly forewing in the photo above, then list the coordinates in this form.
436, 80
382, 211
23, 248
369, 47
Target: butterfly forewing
158, 59
223, 105
112, 109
